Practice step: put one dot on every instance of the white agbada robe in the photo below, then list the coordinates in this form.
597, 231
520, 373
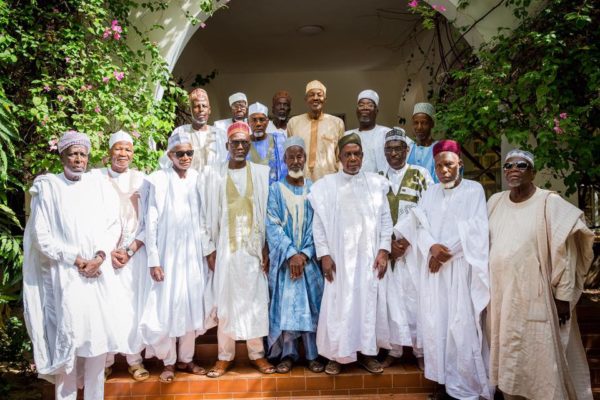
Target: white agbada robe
68, 315
351, 224
452, 300
174, 307
133, 280
241, 291
373, 142
223, 124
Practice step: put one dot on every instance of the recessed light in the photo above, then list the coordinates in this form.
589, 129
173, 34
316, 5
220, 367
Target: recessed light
310, 30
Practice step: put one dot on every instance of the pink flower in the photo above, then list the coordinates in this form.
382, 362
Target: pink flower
413, 3
563, 115
105, 79
135, 134
106, 33
67, 59
52, 143
558, 130
556, 121
89, 87
114, 22
60, 98
202, 25
97, 109
46, 88
118, 75
117, 36
439, 8
117, 29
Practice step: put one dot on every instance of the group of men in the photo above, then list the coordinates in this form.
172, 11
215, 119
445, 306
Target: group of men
293, 230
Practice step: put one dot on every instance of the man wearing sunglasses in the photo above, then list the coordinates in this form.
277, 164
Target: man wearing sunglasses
174, 309
234, 209
540, 252
449, 228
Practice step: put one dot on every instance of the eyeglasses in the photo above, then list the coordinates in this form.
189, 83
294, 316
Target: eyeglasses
396, 149
180, 154
236, 143
520, 165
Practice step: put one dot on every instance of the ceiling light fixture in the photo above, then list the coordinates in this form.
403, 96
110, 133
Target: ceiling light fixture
310, 30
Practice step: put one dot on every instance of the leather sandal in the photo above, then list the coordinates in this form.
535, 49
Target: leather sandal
284, 366
388, 361
316, 366
219, 369
138, 372
191, 368
263, 366
168, 374
370, 364
333, 368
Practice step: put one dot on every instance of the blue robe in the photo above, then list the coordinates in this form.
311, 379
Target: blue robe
423, 156
276, 163
295, 304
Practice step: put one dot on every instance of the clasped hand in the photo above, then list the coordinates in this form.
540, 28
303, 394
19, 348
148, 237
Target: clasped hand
439, 255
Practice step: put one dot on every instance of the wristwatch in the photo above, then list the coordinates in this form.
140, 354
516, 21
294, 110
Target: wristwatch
129, 252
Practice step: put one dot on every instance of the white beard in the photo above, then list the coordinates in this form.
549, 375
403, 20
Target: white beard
296, 175
452, 184
258, 134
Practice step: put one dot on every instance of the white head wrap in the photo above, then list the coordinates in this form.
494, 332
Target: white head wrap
369, 94
178, 138
293, 141
258, 108
396, 134
424, 108
239, 96
315, 85
71, 138
520, 153
120, 136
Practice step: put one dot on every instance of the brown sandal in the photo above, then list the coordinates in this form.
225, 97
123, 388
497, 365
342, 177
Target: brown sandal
333, 368
285, 366
370, 364
168, 374
138, 372
263, 366
191, 368
219, 369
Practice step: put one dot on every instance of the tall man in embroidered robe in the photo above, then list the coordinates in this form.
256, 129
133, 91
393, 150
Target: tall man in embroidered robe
541, 250
234, 206
239, 111
449, 230
128, 257
281, 109
421, 152
67, 304
295, 279
174, 310
352, 230
320, 132
208, 142
407, 184
372, 136
266, 148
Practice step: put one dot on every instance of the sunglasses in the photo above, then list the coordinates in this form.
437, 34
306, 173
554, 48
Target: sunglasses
180, 154
520, 165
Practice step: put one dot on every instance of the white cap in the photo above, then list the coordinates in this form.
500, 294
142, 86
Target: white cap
178, 138
424, 108
369, 94
520, 153
258, 108
120, 136
237, 97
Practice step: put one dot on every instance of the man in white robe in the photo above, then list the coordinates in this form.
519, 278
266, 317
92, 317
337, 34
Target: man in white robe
129, 256
174, 309
407, 184
239, 111
449, 230
68, 310
234, 206
352, 230
540, 252
372, 136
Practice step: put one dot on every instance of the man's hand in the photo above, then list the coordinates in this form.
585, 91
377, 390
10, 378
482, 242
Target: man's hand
265, 259
297, 263
440, 252
563, 309
157, 274
80, 263
92, 268
399, 248
434, 265
211, 260
119, 258
328, 267
380, 263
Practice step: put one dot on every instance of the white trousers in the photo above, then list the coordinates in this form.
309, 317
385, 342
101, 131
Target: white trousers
91, 369
184, 351
396, 351
132, 359
226, 347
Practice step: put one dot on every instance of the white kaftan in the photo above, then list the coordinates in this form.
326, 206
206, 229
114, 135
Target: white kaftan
451, 301
351, 224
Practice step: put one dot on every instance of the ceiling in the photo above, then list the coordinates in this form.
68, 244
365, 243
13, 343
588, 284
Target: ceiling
262, 35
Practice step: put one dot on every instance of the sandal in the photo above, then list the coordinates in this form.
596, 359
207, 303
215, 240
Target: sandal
168, 374
138, 372
388, 361
316, 366
219, 369
191, 368
284, 366
370, 364
333, 368
263, 366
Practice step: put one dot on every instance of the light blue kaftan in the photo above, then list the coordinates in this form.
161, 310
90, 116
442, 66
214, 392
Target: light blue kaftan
423, 156
295, 304
270, 152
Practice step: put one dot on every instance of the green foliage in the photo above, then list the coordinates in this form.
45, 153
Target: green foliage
538, 88
15, 347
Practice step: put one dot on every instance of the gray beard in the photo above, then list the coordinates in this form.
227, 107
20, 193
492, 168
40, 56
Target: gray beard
258, 134
296, 175
451, 185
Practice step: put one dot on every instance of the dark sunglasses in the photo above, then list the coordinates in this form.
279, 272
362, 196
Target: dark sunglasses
180, 154
520, 165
